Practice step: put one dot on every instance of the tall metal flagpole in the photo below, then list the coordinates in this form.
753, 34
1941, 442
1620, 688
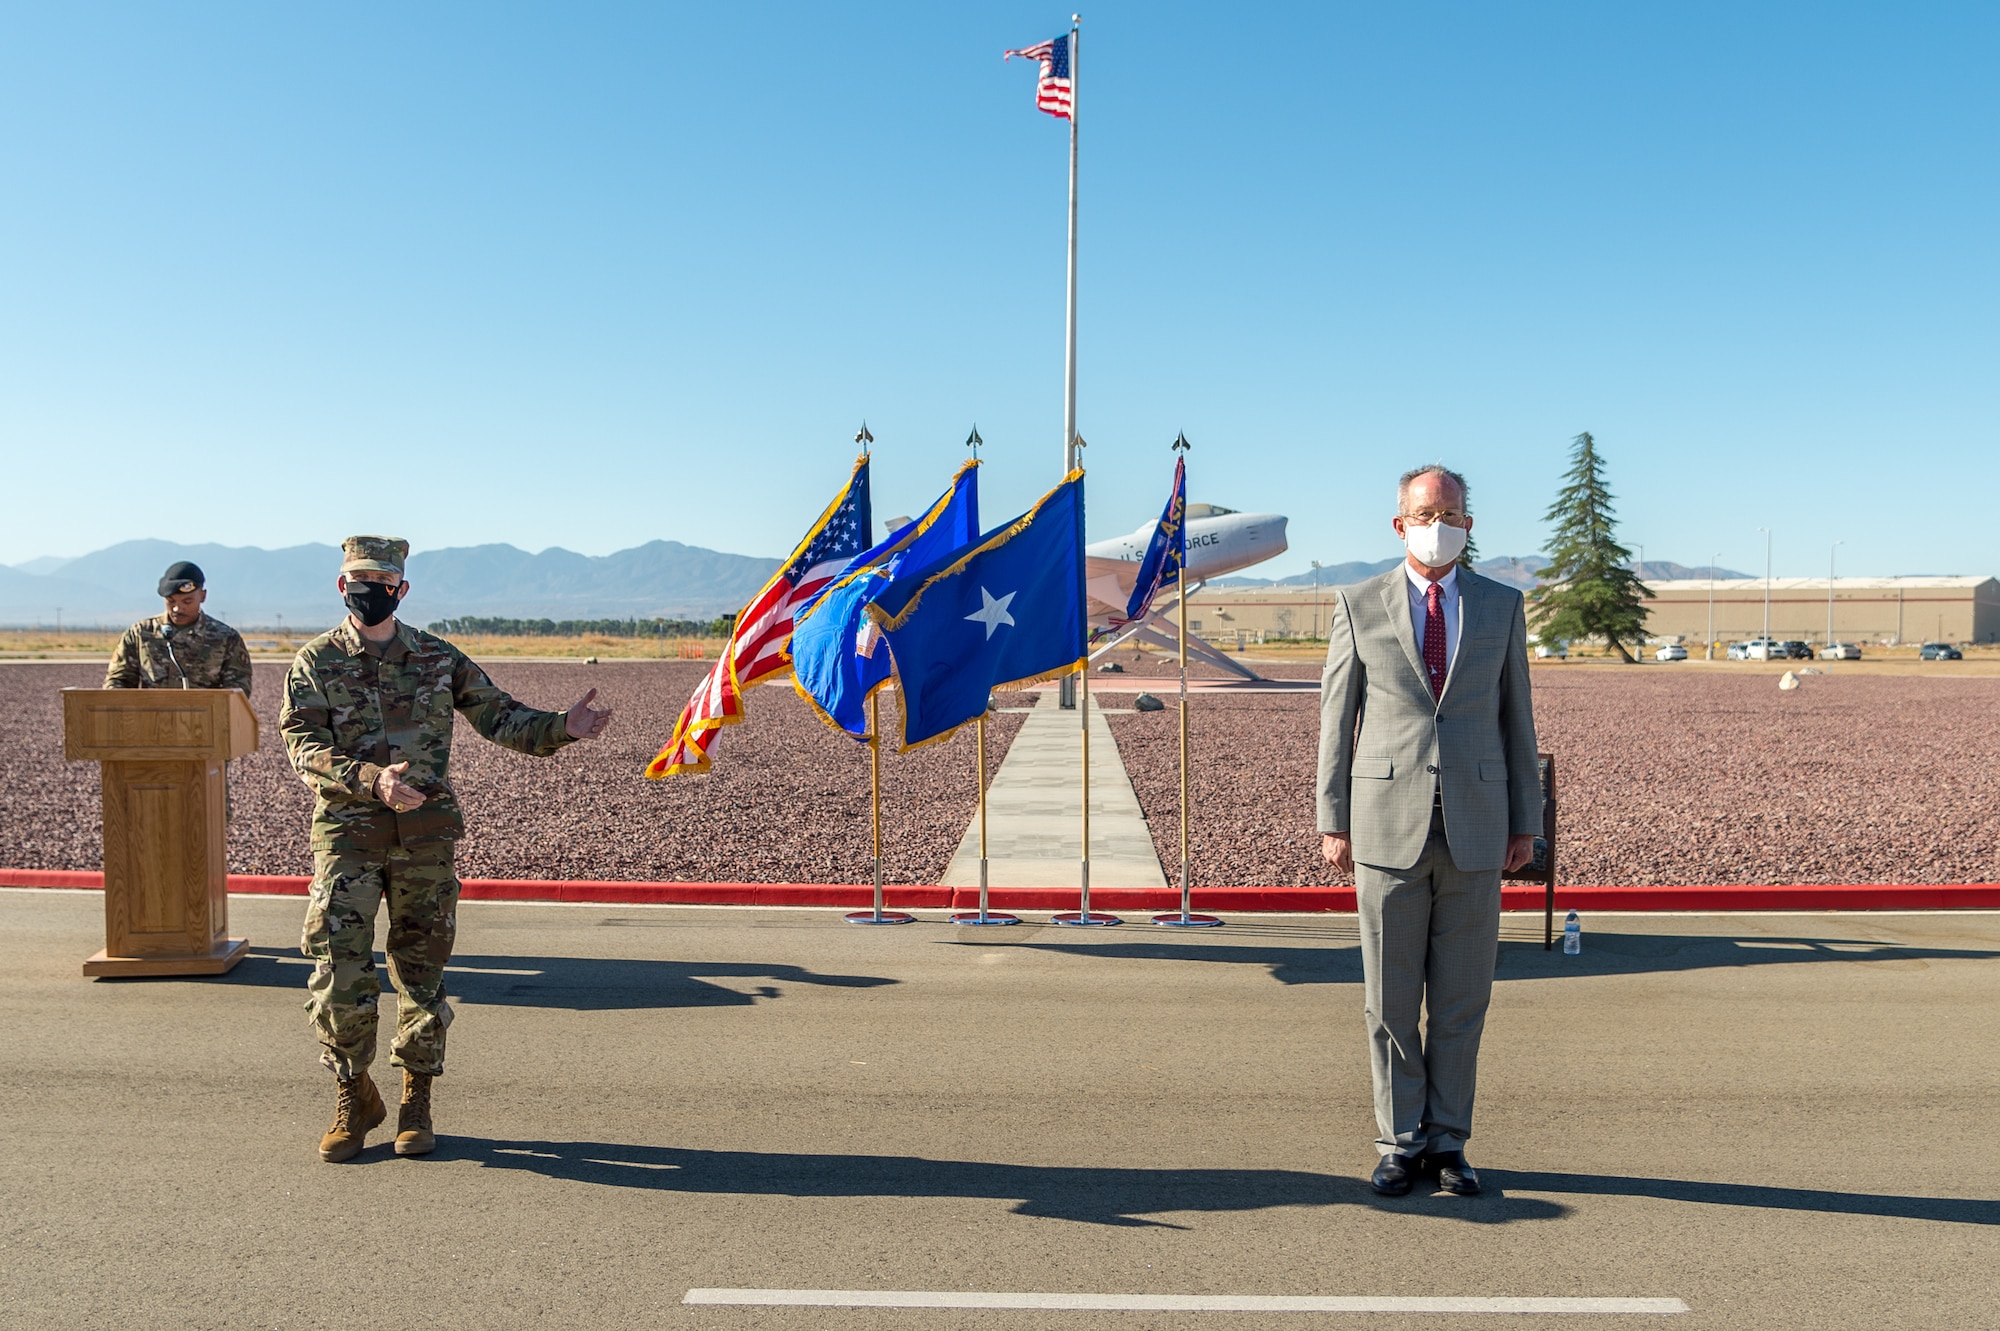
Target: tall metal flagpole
878, 915
1066, 688
1079, 696
1186, 919
1069, 341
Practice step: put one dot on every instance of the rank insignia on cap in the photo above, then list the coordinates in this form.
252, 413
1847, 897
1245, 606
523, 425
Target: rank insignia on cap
373, 554
181, 577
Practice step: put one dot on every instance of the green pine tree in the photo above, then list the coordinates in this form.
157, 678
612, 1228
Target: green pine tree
1589, 588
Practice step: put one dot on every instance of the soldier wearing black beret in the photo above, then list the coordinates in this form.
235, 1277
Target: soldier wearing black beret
182, 648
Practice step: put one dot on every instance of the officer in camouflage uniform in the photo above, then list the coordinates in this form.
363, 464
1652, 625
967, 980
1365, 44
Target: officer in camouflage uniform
183, 648
367, 722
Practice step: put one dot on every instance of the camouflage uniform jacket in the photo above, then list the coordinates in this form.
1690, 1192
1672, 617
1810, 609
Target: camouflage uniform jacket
353, 707
211, 652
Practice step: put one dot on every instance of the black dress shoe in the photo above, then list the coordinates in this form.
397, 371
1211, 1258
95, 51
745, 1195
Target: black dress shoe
1455, 1173
1394, 1174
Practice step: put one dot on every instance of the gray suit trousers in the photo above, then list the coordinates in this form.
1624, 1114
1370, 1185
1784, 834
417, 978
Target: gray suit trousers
1430, 934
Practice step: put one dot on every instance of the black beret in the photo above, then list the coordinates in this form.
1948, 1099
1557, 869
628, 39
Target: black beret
181, 577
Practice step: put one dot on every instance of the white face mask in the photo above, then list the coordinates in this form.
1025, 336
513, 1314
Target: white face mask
1436, 545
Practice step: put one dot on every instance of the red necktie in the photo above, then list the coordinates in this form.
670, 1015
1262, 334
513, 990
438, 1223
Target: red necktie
1435, 660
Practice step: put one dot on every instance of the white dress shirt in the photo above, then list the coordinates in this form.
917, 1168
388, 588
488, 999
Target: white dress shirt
1420, 610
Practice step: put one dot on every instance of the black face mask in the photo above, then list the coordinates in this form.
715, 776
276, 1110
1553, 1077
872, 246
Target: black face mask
371, 602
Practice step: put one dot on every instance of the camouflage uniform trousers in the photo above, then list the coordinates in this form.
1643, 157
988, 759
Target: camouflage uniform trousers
347, 887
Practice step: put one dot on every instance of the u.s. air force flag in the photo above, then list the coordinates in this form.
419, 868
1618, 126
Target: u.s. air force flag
838, 659
1005, 610
1166, 553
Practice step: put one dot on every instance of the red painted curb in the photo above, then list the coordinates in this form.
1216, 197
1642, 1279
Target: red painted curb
1804, 896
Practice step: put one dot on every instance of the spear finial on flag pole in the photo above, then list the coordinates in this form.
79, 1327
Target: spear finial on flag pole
973, 441
863, 438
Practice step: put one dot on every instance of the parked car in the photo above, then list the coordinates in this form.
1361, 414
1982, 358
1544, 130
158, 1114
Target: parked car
1939, 651
1841, 651
1552, 651
1796, 650
1673, 651
1756, 649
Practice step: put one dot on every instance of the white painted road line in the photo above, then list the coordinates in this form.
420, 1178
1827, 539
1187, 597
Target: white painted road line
1206, 1303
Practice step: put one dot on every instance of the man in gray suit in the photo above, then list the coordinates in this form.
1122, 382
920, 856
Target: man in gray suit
1428, 789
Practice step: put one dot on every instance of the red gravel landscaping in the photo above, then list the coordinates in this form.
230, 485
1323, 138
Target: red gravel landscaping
1667, 776
787, 800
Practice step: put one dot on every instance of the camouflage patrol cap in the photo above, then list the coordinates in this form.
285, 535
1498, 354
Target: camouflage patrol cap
373, 554
181, 577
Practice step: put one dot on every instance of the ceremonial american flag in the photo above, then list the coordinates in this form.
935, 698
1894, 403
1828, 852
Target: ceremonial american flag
1052, 89
756, 649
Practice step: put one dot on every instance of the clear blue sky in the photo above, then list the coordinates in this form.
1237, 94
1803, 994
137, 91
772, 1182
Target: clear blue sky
594, 275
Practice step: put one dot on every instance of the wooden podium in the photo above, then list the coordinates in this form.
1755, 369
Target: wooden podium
166, 886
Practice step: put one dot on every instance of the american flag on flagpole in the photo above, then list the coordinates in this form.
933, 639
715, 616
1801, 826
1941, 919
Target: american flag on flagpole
1053, 89
756, 648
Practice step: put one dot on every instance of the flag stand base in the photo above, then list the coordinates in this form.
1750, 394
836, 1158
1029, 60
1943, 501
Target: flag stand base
1178, 920
880, 917
983, 915
1085, 919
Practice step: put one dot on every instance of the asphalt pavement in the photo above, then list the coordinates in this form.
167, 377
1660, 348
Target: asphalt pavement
1779, 1121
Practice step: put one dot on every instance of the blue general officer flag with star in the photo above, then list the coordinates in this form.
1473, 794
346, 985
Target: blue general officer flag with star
838, 659
1006, 610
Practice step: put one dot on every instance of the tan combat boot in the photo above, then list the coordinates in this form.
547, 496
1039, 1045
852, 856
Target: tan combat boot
413, 1116
357, 1108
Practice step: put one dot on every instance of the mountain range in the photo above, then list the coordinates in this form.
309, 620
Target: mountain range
256, 587
261, 588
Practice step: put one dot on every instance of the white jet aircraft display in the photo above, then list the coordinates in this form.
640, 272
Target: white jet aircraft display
1220, 541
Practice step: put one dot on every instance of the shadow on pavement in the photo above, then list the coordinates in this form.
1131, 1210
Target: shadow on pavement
1635, 954
579, 984
1103, 1196
1334, 964
1603, 954
1955, 1210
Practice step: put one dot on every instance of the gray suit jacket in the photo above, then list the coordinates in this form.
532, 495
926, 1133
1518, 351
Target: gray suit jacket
1385, 744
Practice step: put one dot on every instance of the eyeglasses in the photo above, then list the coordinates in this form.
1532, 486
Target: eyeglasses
1424, 517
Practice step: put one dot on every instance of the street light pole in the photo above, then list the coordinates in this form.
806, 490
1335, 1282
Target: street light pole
1711, 603
1829, 591
1767, 584
1315, 598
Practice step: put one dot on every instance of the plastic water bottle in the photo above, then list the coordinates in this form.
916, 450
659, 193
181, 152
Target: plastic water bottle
1572, 934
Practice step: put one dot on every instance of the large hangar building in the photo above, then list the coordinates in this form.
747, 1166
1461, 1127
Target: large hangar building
1865, 610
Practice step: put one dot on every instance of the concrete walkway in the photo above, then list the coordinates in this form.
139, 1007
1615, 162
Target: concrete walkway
1034, 832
